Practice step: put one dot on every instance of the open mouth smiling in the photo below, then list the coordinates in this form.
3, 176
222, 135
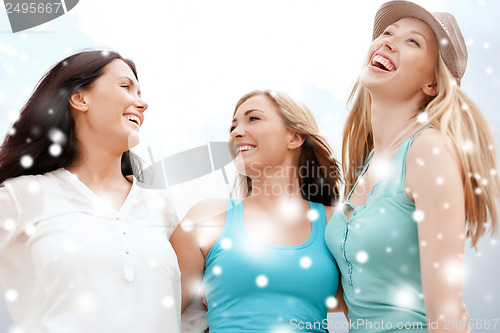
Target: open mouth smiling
382, 63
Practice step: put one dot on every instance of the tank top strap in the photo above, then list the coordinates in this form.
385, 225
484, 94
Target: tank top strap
398, 167
234, 216
359, 177
320, 220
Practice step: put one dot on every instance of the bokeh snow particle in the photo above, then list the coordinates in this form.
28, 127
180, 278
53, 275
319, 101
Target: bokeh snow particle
489, 70
422, 117
217, 270
55, 149
26, 161
362, 257
305, 262
168, 301
261, 281
418, 215
312, 214
331, 302
9, 224
56, 135
226, 243
11, 295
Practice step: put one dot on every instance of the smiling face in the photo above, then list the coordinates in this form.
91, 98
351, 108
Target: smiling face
402, 61
112, 108
259, 136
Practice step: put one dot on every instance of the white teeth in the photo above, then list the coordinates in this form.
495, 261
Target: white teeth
133, 118
384, 62
245, 148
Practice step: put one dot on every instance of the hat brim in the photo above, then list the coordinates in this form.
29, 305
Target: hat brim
393, 11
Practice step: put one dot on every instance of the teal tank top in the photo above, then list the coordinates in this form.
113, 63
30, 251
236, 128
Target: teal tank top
378, 255
255, 287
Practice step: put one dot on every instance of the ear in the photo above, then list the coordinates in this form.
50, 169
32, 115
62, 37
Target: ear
296, 140
431, 89
77, 102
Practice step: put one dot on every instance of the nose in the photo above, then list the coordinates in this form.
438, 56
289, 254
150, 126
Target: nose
387, 43
237, 132
141, 105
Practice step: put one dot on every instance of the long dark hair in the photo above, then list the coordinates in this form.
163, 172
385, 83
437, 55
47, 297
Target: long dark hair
46, 118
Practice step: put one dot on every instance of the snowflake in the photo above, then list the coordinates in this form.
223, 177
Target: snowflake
405, 298
446, 205
486, 45
422, 117
187, 225
489, 70
11, 295
30, 229
444, 41
168, 301
468, 146
26, 161
261, 281
55, 134
388, 250
418, 215
470, 41
305, 262
439, 181
362, 257
153, 263
312, 214
226, 243
435, 151
217, 270
331, 302
9, 224
55, 150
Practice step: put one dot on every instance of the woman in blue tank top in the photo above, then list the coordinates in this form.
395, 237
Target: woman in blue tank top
420, 170
263, 261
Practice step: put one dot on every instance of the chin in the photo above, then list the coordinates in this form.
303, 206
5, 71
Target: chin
133, 139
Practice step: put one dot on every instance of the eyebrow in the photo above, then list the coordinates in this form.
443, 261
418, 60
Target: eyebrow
131, 81
247, 112
411, 31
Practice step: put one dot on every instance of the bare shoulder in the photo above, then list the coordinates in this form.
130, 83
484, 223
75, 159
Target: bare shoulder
207, 210
431, 161
432, 146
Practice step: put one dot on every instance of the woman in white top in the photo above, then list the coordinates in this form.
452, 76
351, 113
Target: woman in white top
82, 247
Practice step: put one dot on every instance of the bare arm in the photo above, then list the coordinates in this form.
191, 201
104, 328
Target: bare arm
192, 241
434, 180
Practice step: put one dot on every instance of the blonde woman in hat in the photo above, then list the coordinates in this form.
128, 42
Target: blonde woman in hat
419, 162
255, 255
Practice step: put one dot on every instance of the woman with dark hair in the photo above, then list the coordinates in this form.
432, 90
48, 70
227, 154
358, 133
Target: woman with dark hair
83, 248
254, 255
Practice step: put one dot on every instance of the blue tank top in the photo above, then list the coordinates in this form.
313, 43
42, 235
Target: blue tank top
377, 252
252, 286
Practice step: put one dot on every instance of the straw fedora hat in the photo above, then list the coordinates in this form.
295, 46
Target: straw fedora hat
444, 25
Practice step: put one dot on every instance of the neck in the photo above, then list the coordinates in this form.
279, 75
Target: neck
388, 119
99, 169
275, 185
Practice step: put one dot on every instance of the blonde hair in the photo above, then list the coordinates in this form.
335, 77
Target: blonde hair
461, 121
315, 151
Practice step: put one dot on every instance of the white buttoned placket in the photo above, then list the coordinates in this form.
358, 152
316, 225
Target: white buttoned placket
128, 266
